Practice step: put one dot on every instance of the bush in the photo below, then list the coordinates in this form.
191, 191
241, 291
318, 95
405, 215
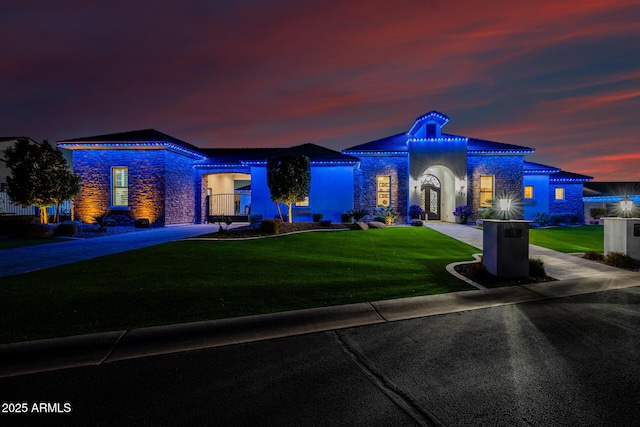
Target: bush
416, 222
593, 256
325, 222
542, 219
270, 226
536, 268
415, 212
345, 217
388, 214
357, 214
103, 221
15, 225
620, 260
66, 229
597, 213
37, 231
317, 217
557, 219
255, 218
379, 218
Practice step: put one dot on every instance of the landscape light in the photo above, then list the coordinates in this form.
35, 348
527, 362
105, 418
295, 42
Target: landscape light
626, 205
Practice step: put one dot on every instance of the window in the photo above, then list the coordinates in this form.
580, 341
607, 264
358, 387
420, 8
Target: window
120, 186
528, 191
560, 193
384, 190
486, 191
304, 203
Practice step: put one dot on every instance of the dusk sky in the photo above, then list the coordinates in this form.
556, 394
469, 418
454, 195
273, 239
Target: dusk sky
562, 77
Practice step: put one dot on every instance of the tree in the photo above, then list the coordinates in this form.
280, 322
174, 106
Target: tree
39, 176
289, 180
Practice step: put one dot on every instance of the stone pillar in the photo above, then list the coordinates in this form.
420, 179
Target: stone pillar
622, 235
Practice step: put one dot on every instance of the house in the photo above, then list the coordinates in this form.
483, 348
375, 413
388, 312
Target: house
148, 174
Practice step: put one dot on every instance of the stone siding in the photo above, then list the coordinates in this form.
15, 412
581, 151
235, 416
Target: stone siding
507, 171
572, 203
179, 182
150, 174
365, 186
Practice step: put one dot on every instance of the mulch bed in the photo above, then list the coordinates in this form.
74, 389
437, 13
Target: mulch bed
284, 228
474, 272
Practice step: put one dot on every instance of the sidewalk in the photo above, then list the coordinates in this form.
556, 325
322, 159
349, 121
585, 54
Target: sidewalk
576, 276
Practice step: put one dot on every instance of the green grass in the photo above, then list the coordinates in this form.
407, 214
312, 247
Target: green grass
11, 243
569, 239
201, 280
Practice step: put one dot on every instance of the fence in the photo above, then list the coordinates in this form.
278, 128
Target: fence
10, 208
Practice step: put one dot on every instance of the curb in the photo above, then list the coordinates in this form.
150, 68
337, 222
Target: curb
107, 347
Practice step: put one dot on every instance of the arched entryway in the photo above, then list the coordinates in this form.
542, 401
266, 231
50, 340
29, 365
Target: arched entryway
430, 194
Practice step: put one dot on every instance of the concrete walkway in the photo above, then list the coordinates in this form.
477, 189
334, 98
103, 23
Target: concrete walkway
31, 258
558, 265
577, 276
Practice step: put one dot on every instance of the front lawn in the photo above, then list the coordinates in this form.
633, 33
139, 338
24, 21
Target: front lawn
583, 238
202, 280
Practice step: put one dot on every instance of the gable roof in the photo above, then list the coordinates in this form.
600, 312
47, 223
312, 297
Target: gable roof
149, 138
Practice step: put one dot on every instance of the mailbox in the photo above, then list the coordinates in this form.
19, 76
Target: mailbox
505, 247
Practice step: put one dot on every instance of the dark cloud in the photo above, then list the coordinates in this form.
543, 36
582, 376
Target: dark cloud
562, 77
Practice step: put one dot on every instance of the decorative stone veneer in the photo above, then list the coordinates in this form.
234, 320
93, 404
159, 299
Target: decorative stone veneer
507, 171
572, 203
365, 186
160, 185
179, 196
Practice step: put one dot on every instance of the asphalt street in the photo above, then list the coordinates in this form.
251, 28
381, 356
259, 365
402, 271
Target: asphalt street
565, 361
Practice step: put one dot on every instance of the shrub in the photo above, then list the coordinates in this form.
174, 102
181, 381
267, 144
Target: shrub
597, 213
415, 212
620, 260
325, 222
593, 256
221, 219
357, 214
379, 218
270, 226
463, 212
103, 221
317, 217
416, 222
542, 219
536, 268
557, 219
345, 217
37, 231
388, 214
66, 229
253, 218
15, 225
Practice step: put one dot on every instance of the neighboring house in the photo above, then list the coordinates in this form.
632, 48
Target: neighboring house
607, 196
147, 174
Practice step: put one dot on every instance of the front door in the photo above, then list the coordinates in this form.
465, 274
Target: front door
432, 202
